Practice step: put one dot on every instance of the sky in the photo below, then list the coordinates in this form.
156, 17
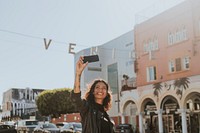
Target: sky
24, 61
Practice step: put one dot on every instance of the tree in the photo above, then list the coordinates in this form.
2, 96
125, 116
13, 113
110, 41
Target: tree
55, 102
180, 85
157, 88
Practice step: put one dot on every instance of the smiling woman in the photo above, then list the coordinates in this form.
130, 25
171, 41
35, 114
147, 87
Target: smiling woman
94, 117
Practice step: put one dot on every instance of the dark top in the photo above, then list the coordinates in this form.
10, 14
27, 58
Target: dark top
104, 119
93, 117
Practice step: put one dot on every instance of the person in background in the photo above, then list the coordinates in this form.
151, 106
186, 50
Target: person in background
94, 105
146, 127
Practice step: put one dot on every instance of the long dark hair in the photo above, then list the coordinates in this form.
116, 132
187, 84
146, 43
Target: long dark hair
89, 96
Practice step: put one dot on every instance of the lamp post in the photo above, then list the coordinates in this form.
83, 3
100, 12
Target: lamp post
118, 108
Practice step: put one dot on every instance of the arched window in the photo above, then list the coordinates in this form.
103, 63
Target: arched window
155, 43
145, 47
199, 26
150, 45
184, 33
171, 66
186, 62
178, 34
173, 38
170, 38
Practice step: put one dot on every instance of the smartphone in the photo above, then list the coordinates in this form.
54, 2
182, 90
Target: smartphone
91, 58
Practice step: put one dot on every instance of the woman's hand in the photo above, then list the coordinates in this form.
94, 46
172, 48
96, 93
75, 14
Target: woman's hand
80, 66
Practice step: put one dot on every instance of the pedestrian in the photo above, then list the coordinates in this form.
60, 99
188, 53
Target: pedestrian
94, 106
146, 127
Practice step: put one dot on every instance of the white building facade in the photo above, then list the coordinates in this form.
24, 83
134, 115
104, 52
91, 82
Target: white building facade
18, 102
116, 66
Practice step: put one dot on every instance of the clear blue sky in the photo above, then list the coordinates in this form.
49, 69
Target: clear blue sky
24, 62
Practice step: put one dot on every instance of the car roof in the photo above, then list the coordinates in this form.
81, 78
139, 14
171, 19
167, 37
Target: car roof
62, 123
124, 125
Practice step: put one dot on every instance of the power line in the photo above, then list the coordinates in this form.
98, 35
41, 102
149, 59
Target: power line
20, 34
59, 42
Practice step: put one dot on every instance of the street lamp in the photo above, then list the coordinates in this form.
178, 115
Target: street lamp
118, 107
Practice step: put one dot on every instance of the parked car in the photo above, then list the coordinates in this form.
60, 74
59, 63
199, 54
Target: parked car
10, 123
65, 127
7, 129
26, 125
46, 128
61, 124
70, 127
124, 128
76, 126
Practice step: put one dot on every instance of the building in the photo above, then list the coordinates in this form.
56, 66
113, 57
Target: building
73, 117
167, 68
162, 72
19, 103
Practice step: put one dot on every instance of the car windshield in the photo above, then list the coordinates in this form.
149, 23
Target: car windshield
49, 125
59, 124
77, 125
124, 126
31, 122
66, 126
10, 122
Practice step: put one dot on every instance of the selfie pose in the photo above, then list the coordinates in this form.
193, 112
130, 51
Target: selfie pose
94, 105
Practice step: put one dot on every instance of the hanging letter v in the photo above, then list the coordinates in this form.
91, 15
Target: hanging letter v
47, 44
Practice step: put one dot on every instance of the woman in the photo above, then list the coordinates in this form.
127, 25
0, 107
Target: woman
93, 107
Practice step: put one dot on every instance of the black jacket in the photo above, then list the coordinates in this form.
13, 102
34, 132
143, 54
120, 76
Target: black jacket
90, 116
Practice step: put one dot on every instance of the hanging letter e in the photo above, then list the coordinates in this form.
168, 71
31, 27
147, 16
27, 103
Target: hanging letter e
71, 48
47, 44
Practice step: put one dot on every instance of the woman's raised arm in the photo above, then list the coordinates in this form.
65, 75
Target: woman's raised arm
80, 66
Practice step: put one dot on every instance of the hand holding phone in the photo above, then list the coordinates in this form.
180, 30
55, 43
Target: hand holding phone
91, 58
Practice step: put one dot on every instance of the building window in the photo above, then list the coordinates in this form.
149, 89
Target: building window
151, 45
186, 62
184, 33
145, 47
174, 38
177, 36
178, 64
151, 73
170, 38
65, 117
113, 77
199, 27
171, 66
96, 69
156, 44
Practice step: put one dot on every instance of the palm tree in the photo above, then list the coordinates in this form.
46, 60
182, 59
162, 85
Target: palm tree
167, 86
157, 88
180, 85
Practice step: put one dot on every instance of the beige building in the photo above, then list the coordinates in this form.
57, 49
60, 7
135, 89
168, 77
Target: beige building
167, 67
153, 72
160, 85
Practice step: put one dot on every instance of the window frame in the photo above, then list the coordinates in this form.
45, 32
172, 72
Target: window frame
186, 62
178, 64
171, 66
151, 73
